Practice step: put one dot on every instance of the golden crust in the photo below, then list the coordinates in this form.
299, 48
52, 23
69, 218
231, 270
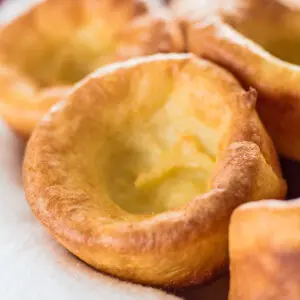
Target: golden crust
36, 56
261, 55
264, 249
66, 183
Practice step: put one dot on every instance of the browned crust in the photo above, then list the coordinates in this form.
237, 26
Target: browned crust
215, 38
149, 29
175, 248
265, 251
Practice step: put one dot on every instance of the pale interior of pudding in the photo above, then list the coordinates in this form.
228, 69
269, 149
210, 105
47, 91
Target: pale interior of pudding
83, 52
64, 47
280, 38
157, 139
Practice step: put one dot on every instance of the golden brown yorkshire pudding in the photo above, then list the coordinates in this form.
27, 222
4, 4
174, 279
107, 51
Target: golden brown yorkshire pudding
138, 170
264, 244
57, 42
259, 41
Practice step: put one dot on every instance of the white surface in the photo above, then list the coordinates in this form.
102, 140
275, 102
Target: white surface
12, 8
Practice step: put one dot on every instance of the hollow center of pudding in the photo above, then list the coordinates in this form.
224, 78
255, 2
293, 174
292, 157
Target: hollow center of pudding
86, 50
64, 62
158, 145
149, 175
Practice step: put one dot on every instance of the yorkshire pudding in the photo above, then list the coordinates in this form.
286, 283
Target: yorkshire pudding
264, 244
57, 42
138, 170
259, 41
